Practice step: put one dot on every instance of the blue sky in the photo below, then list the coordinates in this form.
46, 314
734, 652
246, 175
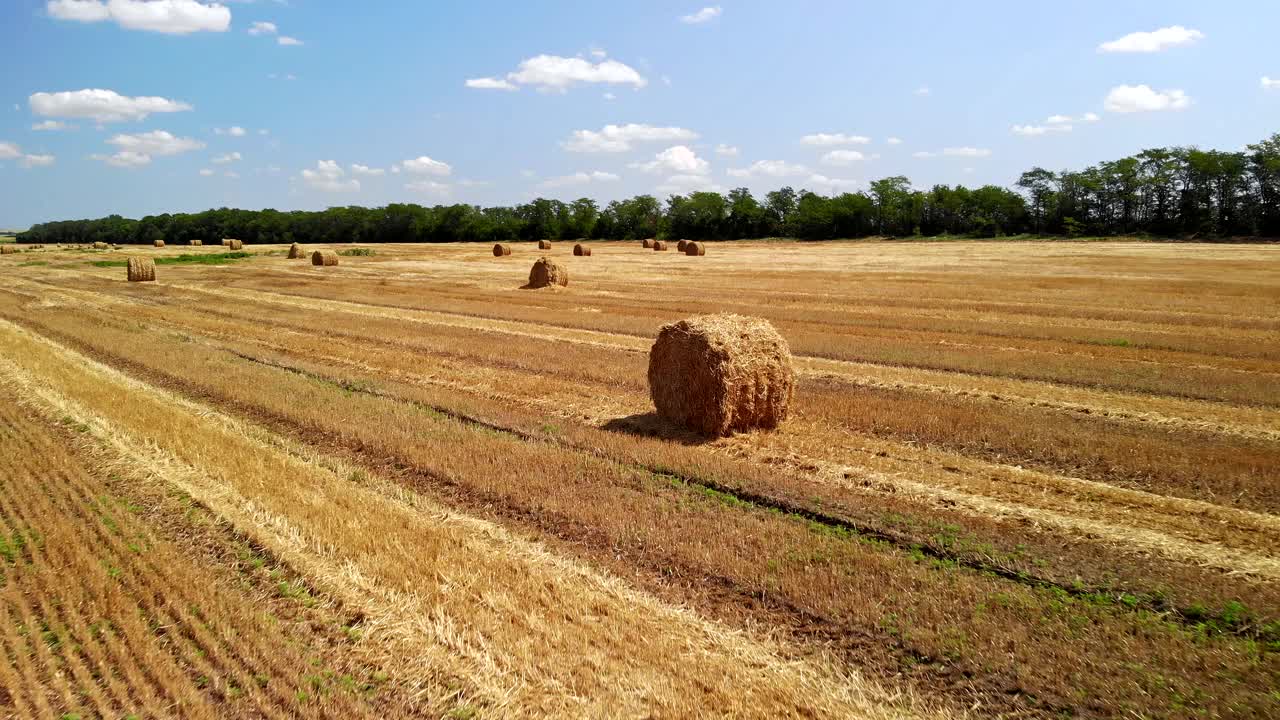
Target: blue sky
383, 86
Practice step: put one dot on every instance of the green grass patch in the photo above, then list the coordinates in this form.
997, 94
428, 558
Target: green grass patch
210, 259
358, 252
33, 263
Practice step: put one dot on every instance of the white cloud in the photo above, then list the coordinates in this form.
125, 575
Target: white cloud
768, 168
1141, 98
1155, 41
173, 17
579, 178
226, 158
262, 28
1035, 130
680, 184
842, 157
103, 106
610, 96
9, 151
923, 90
358, 169
124, 159
155, 143
827, 183
1088, 117
552, 73
827, 139
205, 172
286, 40
894, 141
329, 177
52, 125
1270, 84
677, 160
706, 14
727, 150
965, 152
1058, 119
488, 83
426, 166
430, 187
233, 131
619, 138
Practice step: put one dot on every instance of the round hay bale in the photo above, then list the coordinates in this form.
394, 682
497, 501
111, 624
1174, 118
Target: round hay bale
647, 243
544, 245
158, 243
8, 250
695, 248
295, 251
660, 245
681, 245
99, 246
500, 250
226, 242
324, 258
142, 269
195, 243
718, 374
547, 272
581, 250
235, 245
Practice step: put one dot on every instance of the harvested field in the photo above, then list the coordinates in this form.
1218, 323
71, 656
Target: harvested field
1030, 479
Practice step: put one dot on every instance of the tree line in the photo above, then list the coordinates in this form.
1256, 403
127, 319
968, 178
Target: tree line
1165, 192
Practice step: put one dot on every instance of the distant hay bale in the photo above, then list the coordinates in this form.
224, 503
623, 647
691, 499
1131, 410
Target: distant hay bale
695, 248
647, 243
547, 272
681, 245
158, 243
195, 243
581, 250
142, 269
544, 245
295, 251
226, 242
235, 245
500, 250
8, 250
660, 245
718, 374
324, 258
99, 246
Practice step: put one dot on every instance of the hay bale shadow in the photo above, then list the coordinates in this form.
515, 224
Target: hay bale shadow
653, 425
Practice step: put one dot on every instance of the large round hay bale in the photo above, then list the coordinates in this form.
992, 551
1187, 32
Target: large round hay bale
325, 258
547, 272
99, 246
681, 245
295, 251
660, 245
235, 245
158, 243
544, 244
142, 269
695, 248
647, 243
8, 249
226, 242
195, 243
581, 250
500, 250
718, 374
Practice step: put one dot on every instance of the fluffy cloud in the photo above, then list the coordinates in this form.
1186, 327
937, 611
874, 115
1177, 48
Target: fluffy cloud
52, 125
827, 183
768, 168
677, 160
329, 177
1270, 84
263, 28
124, 159
358, 169
155, 143
1155, 41
174, 17
426, 166
619, 138
706, 14
1035, 130
828, 139
1141, 98
727, 150
488, 83
226, 158
552, 73
965, 152
233, 131
286, 40
1067, 119
842, 157
9, 151
680, 184
894, 141
579, 178
103, 106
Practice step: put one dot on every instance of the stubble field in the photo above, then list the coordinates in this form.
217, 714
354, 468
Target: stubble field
1021, 479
